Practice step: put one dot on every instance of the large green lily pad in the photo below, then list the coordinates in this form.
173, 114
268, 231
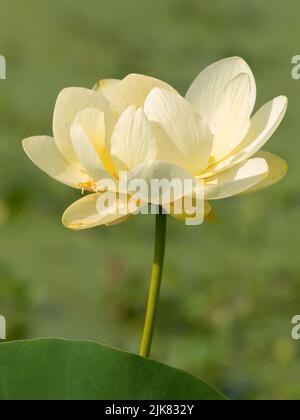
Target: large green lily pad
51, 369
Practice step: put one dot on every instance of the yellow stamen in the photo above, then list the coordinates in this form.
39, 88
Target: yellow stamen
88, 186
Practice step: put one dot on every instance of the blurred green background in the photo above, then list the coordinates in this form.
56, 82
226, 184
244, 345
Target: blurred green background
230, 289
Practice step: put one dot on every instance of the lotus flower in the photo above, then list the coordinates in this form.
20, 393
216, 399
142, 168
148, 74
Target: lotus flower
144, 127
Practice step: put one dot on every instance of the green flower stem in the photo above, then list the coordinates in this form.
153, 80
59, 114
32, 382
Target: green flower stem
155, 284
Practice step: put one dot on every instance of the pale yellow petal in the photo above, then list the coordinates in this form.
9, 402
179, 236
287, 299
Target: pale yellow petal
93, 122
120, 221
87, 154
263, 125
232, 117
69, 103
133, 90
183, 217
44, 153
237, 179
86, 212
277, 171
206, 91
133, 141
183, 139
106, 87
158, 182
96, 125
